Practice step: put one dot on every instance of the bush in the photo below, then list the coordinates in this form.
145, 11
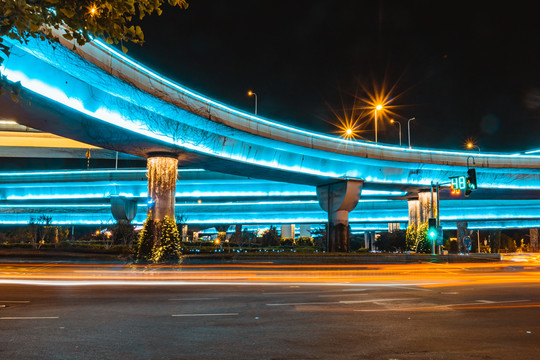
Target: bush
304, 241
287, 242
391, 241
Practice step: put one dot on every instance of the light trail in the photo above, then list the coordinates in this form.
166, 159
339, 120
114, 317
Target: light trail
426, 275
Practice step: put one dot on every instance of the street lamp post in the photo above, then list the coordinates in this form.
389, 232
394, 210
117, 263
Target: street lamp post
409, 130
470, 145
377, 108
251, 93
399, 124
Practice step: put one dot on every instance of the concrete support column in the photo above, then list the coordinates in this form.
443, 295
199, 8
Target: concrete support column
367, 238
534, 239
162, 175
372, 241
338, 200
414, 212
287, 231
393, 227
123, 209
305, 230
184, 233
424, 207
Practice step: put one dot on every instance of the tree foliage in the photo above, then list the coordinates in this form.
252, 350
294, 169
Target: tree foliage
168, 248
391, 241
145, 244
410, 238
270, 237
112, 20
423, 245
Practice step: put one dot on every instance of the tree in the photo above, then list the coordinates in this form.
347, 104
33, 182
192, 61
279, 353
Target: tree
422, 243
123, 233
145, 244
168, 248
410, 238
270, 237
79, 19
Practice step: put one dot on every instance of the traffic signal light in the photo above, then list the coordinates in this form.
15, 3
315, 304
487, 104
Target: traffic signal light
471, 178
432, 229
471, 181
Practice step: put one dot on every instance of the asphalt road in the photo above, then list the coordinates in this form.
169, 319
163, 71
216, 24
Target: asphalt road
495, 319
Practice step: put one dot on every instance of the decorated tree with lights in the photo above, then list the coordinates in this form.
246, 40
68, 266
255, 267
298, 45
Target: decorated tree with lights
168, 247
422, 243
410, 238
145, 243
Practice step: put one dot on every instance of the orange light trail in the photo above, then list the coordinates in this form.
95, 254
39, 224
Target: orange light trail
426, 275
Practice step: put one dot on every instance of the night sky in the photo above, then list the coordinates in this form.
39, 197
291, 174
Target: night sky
464, 70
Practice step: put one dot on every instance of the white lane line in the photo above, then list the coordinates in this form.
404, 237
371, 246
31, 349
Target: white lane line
346, 302
335, 295
194, 299
28, 317
311, 292
447, 306
193, 315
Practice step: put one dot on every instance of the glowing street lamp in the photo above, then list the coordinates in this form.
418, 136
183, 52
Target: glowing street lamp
392, 121
471, 145
379, 107
251, 93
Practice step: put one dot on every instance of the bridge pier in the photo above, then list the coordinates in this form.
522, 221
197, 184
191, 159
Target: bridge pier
338, 199
420, 208
534, 239
162, 174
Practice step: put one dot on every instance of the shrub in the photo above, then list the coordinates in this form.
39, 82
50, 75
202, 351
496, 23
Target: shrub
304, 241
287, 242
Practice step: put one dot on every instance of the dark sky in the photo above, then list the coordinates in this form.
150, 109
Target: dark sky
465, 70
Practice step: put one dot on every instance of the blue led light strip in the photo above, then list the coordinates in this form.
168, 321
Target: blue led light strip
276, 124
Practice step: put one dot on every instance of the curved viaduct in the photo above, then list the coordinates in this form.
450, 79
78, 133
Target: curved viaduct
99, 96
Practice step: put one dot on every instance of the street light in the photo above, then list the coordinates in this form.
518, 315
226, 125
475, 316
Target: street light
377, 108
251, 93
471, 145
409, 130
397, 122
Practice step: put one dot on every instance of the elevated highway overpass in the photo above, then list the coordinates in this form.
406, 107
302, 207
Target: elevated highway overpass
101, 97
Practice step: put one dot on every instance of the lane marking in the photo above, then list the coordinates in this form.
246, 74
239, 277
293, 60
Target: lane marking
464, 306
194, 299
312, 292
334, 295
28, 317
346, 302
193, 315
